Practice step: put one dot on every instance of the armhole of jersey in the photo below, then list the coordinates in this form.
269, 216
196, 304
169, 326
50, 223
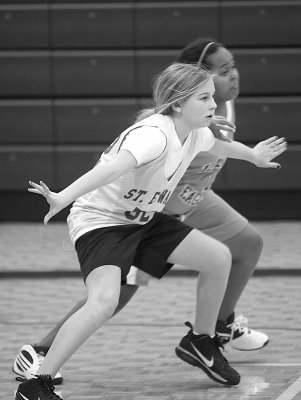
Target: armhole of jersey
151, 126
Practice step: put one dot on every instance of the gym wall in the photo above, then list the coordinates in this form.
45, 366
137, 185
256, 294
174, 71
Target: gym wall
73, 75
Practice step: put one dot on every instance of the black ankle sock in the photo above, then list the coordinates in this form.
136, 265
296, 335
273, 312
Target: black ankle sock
42, 350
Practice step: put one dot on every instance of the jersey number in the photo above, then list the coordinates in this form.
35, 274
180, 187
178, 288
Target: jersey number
137, 214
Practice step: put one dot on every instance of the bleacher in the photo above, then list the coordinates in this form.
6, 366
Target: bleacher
73, 74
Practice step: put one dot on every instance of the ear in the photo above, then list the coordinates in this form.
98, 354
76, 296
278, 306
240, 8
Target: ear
177, 107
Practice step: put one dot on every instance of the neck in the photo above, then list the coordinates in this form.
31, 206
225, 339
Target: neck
221, 109
181, 128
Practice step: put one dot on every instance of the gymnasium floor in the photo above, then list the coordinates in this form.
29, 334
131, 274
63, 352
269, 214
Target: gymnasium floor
132, 357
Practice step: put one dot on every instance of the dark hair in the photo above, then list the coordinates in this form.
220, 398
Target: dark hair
192, 52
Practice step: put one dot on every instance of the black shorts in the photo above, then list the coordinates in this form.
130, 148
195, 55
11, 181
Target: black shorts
145, 246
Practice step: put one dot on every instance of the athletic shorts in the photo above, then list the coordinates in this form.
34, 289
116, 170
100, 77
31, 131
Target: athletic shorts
145, 246
213, 216
216, 218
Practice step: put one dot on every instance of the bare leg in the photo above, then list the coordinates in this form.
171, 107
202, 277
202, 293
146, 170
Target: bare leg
126, 293
208, 256
212, 259
103, 286
245, 248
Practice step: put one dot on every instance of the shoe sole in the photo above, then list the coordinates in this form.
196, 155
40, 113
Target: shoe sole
190, 360
257, 348
55, 381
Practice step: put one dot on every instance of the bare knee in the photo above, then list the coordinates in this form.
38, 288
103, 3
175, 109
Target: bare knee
255, 241
102, 305
248, 246
219, 264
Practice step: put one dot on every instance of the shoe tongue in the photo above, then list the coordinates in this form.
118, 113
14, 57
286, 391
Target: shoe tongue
45, 378
202, 336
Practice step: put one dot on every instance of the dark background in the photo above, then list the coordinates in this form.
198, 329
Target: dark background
73, 74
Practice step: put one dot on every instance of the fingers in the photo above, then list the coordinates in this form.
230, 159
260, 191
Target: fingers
226, 128
273, 165
274, 140
35, 191
36, 188
46, 219
279, 151
48, 216
41, 189
279, 147
45, 187
270, 140
281, 141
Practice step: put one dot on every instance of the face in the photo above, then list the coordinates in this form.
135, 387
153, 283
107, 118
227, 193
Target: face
226, 80
197, 111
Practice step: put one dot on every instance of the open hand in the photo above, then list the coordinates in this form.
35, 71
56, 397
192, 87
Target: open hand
267, 150
56, 203
220, 126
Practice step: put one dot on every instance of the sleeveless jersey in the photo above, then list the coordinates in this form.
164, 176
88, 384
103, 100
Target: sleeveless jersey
197, 179
134, 197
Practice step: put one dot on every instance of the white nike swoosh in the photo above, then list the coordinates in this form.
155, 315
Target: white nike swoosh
209, 363
26, 398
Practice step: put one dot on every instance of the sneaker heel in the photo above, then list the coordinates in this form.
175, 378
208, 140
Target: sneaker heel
185, 357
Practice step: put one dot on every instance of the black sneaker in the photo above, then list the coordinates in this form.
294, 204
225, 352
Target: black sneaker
202, 351
40, 388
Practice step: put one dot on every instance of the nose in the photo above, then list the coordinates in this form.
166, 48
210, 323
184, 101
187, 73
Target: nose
234, 74
212, 104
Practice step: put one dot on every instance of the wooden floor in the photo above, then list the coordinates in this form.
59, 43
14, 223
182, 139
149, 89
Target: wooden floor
132, 357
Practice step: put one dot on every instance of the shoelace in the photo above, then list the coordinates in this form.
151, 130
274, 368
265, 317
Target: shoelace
240, 324
220, 344
46, 386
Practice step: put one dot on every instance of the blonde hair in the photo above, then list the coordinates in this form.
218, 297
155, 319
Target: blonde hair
174, 85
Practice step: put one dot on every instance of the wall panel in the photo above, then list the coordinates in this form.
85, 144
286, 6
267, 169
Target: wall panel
241, 175
23, 26
171, 25
26, 122
260, 23
18, 164
24, 74
91, 26
96, 121
90, 73
262, 117
72, 161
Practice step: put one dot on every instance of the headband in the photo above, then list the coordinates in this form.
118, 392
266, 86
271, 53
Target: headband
202, 56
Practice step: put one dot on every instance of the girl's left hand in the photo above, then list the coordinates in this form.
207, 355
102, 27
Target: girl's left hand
219, 124
267, 150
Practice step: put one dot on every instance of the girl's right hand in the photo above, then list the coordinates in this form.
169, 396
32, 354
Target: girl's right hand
221, 126
55, 200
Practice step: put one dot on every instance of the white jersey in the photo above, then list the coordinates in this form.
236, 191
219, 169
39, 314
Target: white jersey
134, 197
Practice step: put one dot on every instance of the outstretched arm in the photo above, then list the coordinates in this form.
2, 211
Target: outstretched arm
260, 155
100, 175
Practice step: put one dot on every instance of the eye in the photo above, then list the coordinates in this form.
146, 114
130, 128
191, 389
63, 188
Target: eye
224, 72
